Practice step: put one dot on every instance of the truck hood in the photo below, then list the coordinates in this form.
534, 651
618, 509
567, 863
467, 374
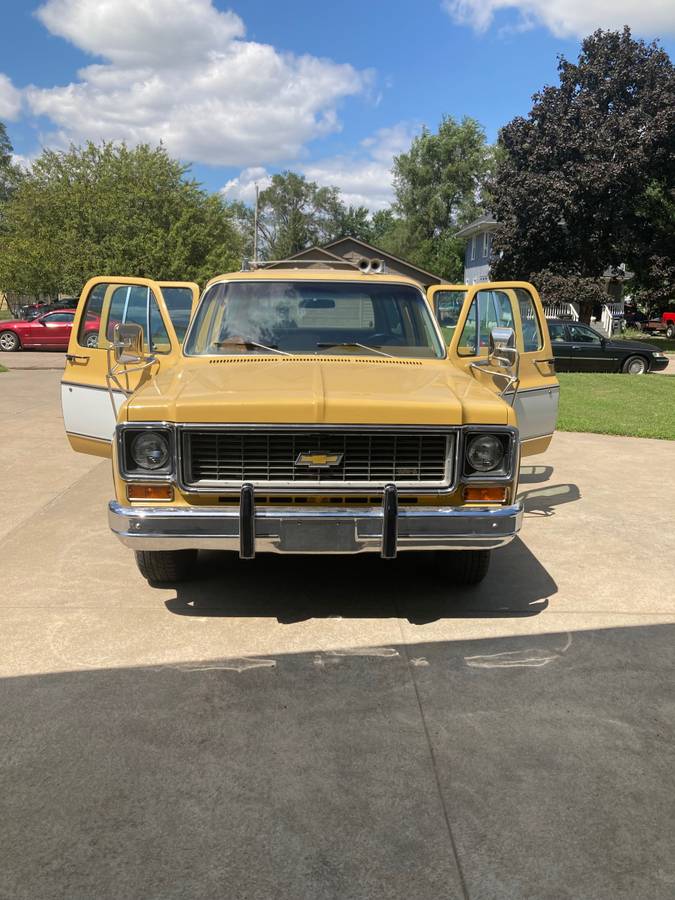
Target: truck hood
334, 390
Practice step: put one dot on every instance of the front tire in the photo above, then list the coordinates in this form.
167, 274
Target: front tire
464, 567
670, 331
635, 365
165, 566
9, 341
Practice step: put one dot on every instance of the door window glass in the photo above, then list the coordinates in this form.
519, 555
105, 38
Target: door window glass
109, 304
582, 335
178, 301
532, 339
557, 332
448, 306
59, 318
489, 309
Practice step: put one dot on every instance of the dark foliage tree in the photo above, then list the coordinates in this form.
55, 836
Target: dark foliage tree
579, 179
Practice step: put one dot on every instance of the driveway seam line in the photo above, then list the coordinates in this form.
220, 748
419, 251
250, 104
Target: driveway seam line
434, 766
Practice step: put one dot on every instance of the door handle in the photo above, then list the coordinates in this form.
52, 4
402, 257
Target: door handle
73, 358
539, 363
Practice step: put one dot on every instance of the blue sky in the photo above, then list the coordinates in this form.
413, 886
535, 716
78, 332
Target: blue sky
244, 89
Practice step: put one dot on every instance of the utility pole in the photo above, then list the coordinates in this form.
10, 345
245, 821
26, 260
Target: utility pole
255, 225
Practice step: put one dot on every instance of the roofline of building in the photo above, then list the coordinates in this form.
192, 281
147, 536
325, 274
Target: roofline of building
404, 262
482, 224
315, 248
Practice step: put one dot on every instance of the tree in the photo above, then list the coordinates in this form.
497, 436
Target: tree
110, 210
575, 179
438, 184
295, 214
10, 174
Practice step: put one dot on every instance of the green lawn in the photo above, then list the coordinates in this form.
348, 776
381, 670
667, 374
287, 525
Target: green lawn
5, 314
634, 405
660, 342
2, 369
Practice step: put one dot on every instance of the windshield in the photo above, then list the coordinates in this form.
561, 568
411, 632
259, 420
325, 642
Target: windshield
323, 318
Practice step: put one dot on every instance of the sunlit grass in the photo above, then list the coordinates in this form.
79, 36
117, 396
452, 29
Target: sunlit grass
632, 405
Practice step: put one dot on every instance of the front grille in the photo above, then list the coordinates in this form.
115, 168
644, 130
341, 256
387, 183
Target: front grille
228, 457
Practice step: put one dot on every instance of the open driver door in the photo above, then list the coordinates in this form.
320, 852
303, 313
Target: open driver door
90, 400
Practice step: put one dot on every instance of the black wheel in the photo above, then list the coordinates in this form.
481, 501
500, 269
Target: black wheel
670, 330
635, 365
91, 340
9, 342
464, 567
165, 566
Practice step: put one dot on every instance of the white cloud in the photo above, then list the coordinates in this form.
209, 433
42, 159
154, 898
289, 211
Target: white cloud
180, 71
24, 161
571, 18
10, 99
243, 186
365, 178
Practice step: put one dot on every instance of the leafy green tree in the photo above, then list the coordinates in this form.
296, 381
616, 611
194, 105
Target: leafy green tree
295, 213
438, 184
107, 209
9, 173
581, 182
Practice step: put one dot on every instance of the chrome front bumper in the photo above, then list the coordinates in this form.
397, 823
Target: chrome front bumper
250, 530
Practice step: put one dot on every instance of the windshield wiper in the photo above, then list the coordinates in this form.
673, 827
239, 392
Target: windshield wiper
325, 344
249, 345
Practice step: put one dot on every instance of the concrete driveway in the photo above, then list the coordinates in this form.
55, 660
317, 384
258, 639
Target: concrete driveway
338, 728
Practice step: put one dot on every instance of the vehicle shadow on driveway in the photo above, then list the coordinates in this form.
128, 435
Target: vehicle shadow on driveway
414, 587
542, 501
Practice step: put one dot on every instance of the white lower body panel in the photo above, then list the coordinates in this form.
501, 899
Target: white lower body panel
537, 412
88, 411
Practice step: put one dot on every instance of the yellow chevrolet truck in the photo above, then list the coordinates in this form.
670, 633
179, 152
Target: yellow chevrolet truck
307, 410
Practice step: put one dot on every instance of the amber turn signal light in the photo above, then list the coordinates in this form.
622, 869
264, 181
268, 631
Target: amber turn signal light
484, 494
150, 491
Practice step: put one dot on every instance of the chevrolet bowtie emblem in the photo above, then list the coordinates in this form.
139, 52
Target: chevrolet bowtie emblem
319, 460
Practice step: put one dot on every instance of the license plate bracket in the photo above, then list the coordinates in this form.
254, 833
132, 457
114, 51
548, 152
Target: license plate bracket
318, 537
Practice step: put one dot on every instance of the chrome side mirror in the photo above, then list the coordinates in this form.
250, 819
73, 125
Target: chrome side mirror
502, 351
127, 343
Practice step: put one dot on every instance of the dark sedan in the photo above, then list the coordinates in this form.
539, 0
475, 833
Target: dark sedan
579, 348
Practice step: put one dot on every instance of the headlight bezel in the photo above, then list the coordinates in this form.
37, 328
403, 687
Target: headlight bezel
502, 473
129, 468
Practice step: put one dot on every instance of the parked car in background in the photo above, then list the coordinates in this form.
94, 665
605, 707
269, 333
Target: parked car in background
633, 318
663, 325
579, 348
49, 331
33, 310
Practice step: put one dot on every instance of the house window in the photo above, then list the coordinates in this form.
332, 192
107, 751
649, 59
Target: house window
472, 248
486, 244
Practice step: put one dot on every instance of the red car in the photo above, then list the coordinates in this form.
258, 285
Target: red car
48, 332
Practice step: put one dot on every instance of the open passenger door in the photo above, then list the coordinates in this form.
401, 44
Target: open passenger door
467, 315
90, 400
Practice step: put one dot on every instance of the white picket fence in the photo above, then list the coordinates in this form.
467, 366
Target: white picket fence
562, 311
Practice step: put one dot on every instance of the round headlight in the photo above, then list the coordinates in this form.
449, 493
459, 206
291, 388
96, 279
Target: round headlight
150, 450
485, 452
